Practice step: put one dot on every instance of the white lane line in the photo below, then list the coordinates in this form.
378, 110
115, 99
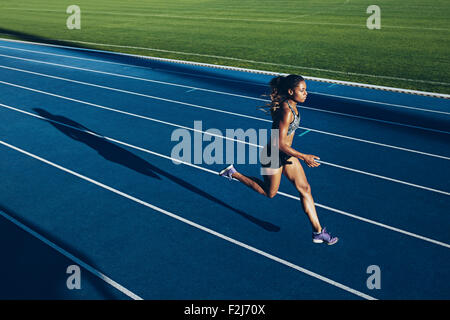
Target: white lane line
137, 94
160, 69
378, 144
221, 136
201, 64
376, 223
314, 130
237, 114
378, 120
385, 178
188, 104
379, 102
215, 91
177, 161
79, 262
132, 115
195, 225
127, 76
265, 63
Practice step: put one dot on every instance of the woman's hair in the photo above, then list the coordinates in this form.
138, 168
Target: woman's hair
279, 90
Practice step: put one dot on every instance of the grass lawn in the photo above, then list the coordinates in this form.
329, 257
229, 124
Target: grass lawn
321, 38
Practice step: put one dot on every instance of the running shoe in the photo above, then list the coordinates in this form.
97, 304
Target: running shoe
324, 236
228, 172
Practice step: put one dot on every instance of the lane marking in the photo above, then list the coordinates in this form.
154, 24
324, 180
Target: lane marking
127, 55
216, 173
237, 114
268, 63
264, 63
385, 178
376, 223
378, 144
188, 104
216, 91
379, 120
144, 79
303, 133
383, 103
221, 136
346, 83
70, 256
136, 94
195, 225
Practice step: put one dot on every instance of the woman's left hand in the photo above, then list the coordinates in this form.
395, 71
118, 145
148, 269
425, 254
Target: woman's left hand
310, 160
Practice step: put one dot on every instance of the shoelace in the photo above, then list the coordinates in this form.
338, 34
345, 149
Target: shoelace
326, 234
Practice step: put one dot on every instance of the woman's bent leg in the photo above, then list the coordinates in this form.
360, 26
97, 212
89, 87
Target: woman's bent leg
294, 172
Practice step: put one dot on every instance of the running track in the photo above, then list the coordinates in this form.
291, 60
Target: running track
87, 180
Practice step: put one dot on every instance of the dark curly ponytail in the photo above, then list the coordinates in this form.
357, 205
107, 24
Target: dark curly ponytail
279, 90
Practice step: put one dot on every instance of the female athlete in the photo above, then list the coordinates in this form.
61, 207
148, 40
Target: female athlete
287, 92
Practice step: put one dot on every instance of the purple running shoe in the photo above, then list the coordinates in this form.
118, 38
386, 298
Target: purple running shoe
228, 172
324, 236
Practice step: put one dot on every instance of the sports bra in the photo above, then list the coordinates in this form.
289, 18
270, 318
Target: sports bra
294, 125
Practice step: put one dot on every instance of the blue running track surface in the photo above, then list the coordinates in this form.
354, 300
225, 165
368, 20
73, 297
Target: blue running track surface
88, 180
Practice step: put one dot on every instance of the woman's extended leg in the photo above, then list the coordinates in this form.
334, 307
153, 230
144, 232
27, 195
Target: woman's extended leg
295, 173
268, 187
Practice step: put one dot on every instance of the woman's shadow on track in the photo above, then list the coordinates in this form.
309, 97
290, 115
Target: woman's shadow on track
114, 153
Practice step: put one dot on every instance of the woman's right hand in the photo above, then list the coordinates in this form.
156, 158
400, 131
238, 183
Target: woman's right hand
310, 160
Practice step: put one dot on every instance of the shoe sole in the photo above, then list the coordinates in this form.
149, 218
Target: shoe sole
328, 243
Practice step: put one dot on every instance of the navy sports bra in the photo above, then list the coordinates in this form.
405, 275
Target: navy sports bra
294, 125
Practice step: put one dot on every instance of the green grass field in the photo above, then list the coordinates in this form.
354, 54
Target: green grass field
321, 38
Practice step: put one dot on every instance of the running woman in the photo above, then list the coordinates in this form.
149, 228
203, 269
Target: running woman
287, 92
